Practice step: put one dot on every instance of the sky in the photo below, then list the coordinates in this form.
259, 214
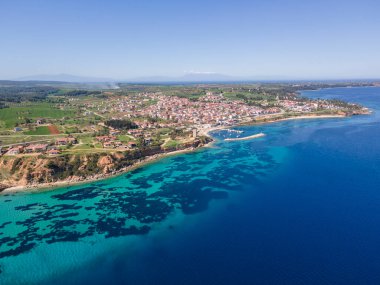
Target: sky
122, 39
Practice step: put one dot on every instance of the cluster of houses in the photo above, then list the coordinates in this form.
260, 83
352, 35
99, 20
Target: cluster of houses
37, 148
66, 141
113, 142
297, 106
32, 148
176, 112
126, 105
307, 106
210, 109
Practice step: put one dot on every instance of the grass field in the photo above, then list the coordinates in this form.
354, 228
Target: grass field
172, 143
7, 140
125, 138
17, 113
82, 147
39, 131
86, 139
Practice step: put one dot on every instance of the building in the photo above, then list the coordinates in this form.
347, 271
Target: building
105, 138
15, 150
66, 141
108, 144
40, 121
53, 152
132, 144
36, 148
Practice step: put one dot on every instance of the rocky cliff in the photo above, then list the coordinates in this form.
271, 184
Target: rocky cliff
32, 170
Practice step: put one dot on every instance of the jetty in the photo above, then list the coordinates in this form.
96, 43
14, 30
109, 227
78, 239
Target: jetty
259, 135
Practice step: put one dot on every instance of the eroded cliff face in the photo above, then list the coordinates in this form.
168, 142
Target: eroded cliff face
19, 170
23, 171
34, 170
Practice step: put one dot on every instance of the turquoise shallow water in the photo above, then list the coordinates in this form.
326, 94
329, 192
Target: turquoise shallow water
298, 206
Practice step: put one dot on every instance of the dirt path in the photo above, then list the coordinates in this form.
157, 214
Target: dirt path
53, 129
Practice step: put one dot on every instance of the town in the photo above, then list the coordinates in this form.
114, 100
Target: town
122, 122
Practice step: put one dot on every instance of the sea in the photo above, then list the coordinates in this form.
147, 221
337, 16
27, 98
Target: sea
298, 206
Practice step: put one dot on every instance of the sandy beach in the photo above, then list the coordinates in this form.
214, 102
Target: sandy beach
312, 117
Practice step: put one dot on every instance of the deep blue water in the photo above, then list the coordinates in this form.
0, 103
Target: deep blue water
298, 206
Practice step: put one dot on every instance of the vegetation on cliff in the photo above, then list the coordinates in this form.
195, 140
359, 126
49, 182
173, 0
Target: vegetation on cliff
31, 170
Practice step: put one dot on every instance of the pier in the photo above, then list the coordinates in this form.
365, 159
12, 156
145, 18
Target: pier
259, 135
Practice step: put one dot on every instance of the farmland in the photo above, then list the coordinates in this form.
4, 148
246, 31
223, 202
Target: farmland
39, 131
17, 114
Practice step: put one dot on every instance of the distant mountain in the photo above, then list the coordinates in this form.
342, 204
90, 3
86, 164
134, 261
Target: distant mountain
199, 77
64, 78
188, 77
196, 77
151, 79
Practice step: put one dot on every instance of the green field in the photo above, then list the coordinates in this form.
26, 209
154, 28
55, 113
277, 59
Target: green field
86, 139
39, 131
172, 143
82, 147
125, 138
7, 140
17, 113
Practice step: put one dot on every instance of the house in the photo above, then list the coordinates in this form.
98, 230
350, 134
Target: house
66, 141
123, 146
106, 138
40, 121
36, 148
15, 150
114, 132
132, 144
52, 152
135, 132
108, 144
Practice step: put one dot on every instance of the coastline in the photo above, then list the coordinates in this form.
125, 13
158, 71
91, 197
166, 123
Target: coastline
64, 183
273, 119
150, 159
311, 117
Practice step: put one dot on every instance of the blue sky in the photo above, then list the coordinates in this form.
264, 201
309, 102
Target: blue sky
127, 39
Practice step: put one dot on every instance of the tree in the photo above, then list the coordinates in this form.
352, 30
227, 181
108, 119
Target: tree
152, 119
121, 124
140, 142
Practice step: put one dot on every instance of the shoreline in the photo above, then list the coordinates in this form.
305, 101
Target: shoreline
303, 117
151, 159
94, 178
270, 120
